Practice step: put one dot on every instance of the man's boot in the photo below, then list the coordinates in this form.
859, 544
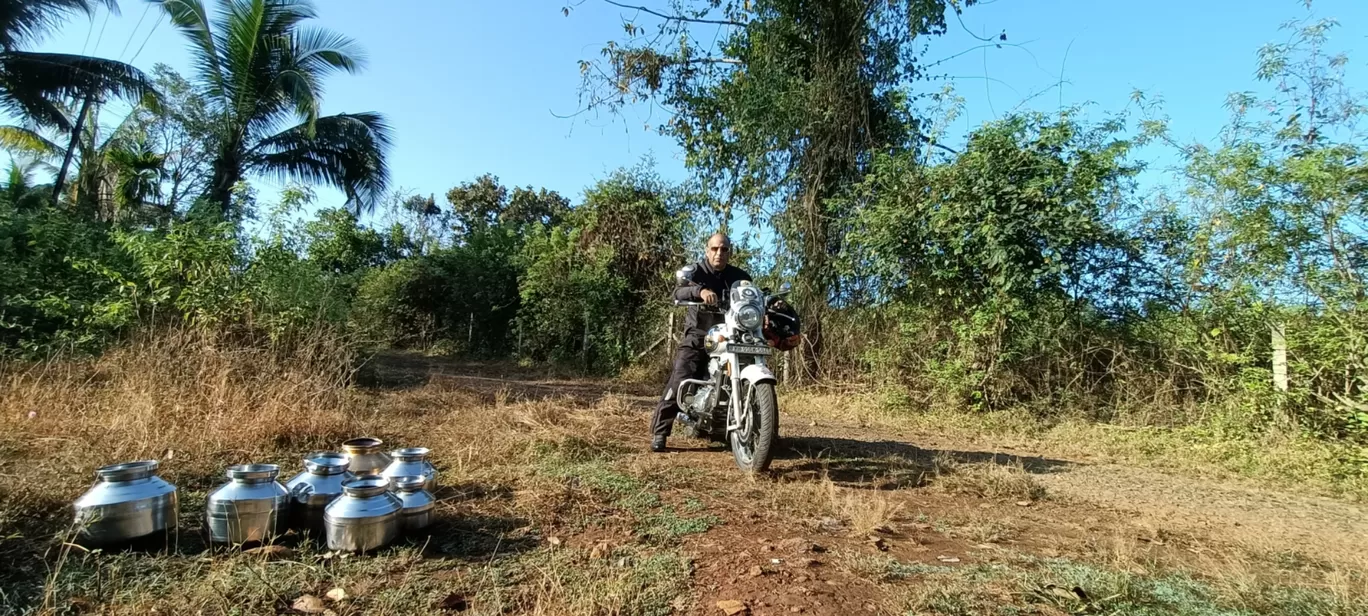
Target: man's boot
658, 443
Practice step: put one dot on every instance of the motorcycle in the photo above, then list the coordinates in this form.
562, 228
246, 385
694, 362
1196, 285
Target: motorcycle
736, 403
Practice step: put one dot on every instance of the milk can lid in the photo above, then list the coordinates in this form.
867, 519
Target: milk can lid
127, 471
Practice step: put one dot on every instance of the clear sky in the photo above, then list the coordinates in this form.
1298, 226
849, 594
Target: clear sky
472, 86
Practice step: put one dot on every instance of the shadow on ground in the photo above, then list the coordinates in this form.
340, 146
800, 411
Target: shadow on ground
884, 464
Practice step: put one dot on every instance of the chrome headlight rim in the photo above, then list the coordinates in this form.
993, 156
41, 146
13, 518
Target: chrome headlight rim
750, 317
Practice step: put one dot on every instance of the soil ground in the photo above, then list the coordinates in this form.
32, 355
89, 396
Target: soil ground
551, 504
1092, 511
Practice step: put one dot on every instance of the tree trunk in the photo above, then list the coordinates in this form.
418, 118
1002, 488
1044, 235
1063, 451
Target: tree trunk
60, 182
227, 172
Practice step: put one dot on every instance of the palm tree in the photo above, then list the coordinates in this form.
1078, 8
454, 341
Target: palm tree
18, 191
261, 69
33, 85
118, 174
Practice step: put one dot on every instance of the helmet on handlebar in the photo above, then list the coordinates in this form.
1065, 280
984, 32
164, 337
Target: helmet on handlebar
782, 326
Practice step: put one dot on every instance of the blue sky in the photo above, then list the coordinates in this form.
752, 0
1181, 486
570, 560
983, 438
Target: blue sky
472, 86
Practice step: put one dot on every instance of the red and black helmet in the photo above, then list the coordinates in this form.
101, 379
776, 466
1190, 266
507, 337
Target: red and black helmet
782, 326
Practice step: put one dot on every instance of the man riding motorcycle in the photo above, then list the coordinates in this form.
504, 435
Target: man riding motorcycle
710, 280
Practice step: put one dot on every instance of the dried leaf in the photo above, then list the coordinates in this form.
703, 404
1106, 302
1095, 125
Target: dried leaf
732, 607
308, 604
337, 594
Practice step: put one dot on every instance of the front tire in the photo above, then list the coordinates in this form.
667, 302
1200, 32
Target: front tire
755, 453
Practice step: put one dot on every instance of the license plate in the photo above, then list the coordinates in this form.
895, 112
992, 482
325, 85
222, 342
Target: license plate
749, 349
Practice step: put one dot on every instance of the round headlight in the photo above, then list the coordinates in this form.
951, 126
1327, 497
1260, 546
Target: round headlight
749, 317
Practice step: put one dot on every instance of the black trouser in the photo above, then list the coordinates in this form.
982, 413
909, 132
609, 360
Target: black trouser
690, 362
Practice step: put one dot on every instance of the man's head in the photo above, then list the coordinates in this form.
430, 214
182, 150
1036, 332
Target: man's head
719, 251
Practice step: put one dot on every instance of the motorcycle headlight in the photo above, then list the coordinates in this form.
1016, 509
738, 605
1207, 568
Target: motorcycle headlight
749, 317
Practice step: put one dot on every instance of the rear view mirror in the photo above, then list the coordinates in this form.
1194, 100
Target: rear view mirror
685, 275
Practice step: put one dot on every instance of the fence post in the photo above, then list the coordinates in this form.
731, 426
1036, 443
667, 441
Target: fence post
584, 352
1279, 340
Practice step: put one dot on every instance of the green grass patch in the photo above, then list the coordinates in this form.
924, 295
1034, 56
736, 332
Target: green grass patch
1033, 586
653, 520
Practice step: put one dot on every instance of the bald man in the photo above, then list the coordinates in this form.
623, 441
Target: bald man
708, 284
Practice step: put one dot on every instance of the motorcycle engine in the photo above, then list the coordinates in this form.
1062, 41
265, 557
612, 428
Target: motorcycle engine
699, 401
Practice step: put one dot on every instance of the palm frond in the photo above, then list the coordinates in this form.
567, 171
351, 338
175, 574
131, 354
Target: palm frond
323, 51
18, 190
24, 22
192, 19
346, 151
53, 76
35, 107
27, 141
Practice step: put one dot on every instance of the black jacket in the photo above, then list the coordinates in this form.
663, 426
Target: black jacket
699, 321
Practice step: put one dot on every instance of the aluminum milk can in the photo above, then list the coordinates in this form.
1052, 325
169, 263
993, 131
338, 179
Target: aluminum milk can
413, 461
365, 517
251, 507
313, 489
366, 457
128, 502
418, 502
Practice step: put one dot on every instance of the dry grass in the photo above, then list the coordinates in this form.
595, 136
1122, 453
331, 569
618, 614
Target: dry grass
981, 527
863, 511
199, 404
824, 504
183, 399
1333, 469
519, 462
986, 480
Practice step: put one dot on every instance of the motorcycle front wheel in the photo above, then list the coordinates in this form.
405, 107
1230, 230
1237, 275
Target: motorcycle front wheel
755, 451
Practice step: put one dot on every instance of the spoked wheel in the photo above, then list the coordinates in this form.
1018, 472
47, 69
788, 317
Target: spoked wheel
755, 448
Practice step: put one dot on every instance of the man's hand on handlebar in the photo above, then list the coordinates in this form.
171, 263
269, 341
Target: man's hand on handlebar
708, 297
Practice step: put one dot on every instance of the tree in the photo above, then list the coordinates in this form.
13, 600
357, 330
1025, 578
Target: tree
33, 85
1280, 251
485, 203
1007, 244
259, 67
593, 288
180, 130
783, 113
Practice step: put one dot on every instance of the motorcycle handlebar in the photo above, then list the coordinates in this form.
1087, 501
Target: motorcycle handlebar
705, 305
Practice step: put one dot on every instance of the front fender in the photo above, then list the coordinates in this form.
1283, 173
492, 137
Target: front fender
756, 373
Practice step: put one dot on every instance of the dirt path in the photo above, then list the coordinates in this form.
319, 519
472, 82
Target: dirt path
1106, 512
781, 549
